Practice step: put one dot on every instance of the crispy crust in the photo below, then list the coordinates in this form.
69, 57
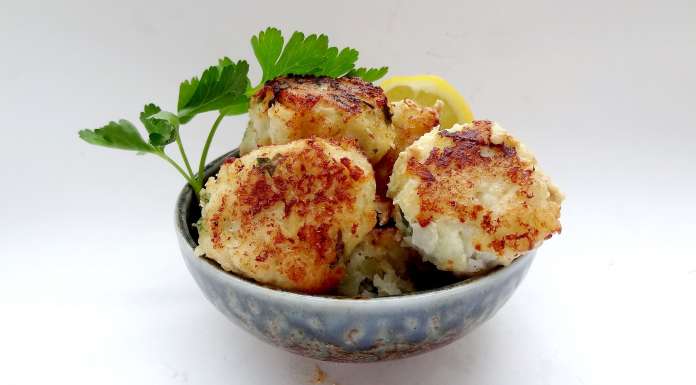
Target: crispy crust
291, 108
287, 215
410, 122
452, 171
300, 93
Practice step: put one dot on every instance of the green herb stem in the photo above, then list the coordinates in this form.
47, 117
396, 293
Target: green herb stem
192, 181
206, 147
226, 88
183, 155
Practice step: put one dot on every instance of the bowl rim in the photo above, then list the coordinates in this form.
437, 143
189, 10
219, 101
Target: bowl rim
183, 202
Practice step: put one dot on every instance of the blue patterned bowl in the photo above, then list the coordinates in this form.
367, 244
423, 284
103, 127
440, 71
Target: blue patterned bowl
339, 329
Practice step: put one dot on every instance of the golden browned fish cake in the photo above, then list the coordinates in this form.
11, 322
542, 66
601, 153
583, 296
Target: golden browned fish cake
471, 197
410, 121
290, 108
288, 215
379, 266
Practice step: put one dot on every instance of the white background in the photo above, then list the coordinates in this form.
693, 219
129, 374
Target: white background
92, 286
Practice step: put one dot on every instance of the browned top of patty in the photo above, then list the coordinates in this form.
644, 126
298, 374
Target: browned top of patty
480, 175
301, 93
286, 215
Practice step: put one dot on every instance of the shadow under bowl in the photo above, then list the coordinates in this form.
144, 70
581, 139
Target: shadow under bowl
344, 329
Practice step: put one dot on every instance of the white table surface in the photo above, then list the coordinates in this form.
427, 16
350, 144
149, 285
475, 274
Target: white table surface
93, 289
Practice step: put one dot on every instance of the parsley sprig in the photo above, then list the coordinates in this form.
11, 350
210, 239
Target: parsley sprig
226, 89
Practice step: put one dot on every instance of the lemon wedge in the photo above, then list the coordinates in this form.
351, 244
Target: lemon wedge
426, 90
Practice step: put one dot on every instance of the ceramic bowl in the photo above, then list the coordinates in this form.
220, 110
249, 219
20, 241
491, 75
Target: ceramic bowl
341, 329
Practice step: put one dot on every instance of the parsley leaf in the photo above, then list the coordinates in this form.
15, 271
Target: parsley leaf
269, 165
262, 162
238, 107
302, 55
267, 47
408, 231
162, 126
219, 87
121, 134
337, 64
226, 88
369, 74
310, 55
